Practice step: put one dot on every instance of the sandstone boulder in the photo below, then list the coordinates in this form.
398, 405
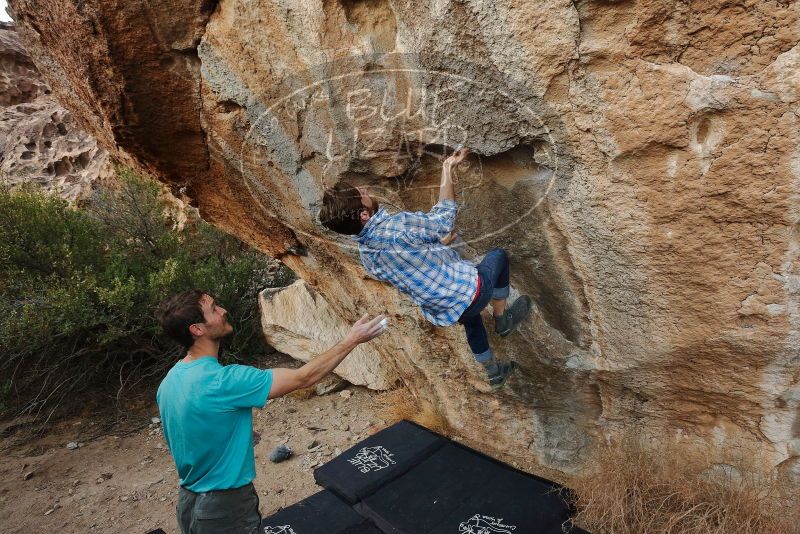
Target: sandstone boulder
299, 322
639, 161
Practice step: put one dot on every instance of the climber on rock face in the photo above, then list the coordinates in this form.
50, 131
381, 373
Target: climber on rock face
411, 251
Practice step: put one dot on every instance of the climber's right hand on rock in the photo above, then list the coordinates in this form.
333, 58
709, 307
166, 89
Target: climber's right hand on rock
457, 157
365, 329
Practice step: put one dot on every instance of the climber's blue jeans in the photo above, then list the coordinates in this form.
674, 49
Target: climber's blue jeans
494, 276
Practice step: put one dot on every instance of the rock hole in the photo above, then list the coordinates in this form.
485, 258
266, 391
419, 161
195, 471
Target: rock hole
166, 61
706, 133
61, 128
63, 166
83, 160
372, 67
27, 155
520, 164
374, 20
702, 130
228, 106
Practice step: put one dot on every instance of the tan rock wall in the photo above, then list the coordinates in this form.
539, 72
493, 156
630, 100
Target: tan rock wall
639, 160
299, 322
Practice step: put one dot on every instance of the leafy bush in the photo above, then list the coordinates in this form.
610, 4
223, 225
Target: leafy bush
78, 288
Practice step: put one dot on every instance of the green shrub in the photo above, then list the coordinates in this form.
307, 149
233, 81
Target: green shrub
78, 288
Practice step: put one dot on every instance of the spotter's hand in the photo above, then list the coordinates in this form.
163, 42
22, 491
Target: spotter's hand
365, 328
457, 157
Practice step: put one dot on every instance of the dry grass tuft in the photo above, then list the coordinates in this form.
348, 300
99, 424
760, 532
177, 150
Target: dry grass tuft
637, 488
303, 394
400, 404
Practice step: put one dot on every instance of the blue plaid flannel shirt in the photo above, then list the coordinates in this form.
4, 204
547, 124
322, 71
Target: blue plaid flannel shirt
404, 250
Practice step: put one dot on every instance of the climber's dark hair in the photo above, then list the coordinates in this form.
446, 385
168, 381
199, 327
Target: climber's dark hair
341, 209
178, 312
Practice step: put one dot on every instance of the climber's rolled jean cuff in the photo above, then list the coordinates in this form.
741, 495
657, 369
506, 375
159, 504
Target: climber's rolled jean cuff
484, 356
500, 292
495, 274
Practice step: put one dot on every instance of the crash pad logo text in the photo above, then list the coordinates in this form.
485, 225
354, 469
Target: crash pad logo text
484, 524
371, 459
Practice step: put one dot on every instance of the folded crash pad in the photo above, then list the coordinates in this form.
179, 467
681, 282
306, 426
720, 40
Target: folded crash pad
364, 528
322, 513
458, 490
377, 460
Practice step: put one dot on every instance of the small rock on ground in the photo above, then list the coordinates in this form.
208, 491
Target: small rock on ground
279, 454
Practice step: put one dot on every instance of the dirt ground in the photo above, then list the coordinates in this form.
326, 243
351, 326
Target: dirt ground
123, 479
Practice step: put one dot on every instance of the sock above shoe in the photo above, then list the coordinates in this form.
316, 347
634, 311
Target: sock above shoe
491, 367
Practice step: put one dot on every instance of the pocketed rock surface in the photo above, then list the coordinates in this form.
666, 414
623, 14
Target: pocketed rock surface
40, 142
638, 160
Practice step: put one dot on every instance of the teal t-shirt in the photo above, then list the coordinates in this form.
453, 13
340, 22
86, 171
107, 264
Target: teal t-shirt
207, 417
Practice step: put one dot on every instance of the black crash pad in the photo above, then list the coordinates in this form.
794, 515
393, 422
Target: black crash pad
377, 460
364, 528
322, 513
460, 491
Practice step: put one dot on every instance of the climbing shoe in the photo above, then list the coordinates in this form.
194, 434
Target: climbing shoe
502, 370
513, 316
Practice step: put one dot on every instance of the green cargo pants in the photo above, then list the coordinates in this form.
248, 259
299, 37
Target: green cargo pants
232, 511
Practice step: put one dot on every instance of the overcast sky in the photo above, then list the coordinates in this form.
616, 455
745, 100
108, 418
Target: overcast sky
3, 15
